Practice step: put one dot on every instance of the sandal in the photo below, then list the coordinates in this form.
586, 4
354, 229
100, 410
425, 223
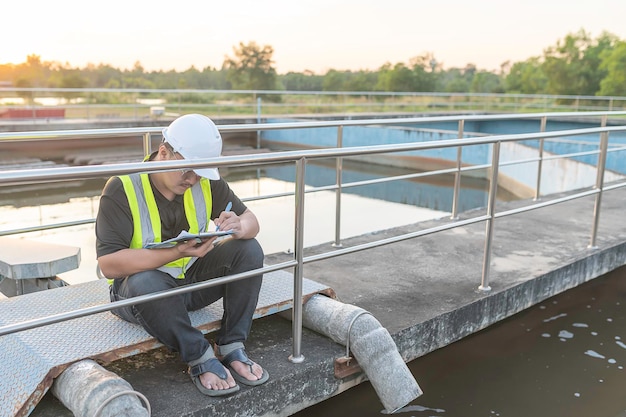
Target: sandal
241, 356
215, 367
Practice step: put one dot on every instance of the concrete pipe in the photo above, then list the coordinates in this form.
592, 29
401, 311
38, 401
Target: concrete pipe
89, 390
371, 345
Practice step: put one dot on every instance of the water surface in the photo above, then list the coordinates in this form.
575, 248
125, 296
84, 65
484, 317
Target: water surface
563, 357
277, 218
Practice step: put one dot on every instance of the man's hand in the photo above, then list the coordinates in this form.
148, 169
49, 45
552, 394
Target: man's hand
228, 221
192, 248
245, 226
126, 262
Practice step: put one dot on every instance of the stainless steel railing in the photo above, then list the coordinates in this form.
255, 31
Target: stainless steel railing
300, 160
147, 132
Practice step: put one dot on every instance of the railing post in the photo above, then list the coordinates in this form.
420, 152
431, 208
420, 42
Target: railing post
258, 133
604, 145
33, 105
540, 162
296, 356
491, 209
147, 143
88, 105
338, 179
457, 174
258, 120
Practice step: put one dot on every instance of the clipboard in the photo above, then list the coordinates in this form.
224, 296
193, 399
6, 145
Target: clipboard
184, 236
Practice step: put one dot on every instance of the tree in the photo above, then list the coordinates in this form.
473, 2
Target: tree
72, 78
396, 79
130, 81
103, 75
33, 71
25, 95
572, 66
137, 69
306, 81
593, 71
457, 80
613, 63
526, 77
251, 68
6, 73
426, 71
486, 82
576, 65
361, 81
335, 80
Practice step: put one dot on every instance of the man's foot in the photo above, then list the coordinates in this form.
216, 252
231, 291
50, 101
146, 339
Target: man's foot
243, 369
212, 379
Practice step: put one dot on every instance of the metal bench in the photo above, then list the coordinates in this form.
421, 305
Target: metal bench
27, 266
31, 359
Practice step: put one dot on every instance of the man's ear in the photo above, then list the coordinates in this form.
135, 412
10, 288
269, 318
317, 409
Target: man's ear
163, 153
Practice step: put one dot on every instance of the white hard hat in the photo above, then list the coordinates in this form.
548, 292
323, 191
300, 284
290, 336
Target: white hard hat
195, 136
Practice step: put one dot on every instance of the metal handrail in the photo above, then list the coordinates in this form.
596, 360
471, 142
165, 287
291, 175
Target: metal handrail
86, 311
29, 176
300, 158
241, 128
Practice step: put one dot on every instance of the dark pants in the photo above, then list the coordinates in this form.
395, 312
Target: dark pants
168, 320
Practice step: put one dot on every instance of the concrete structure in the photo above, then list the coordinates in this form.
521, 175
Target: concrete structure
27, 266
32, 358
423, 291
558, 175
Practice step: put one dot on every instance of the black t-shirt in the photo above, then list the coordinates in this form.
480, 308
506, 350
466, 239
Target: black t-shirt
114, 223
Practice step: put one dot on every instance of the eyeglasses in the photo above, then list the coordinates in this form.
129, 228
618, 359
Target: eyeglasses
186, 173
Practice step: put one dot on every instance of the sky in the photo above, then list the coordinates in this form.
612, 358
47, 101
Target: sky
314, 35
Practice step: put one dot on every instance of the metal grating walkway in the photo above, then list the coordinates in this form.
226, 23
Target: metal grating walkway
31, 359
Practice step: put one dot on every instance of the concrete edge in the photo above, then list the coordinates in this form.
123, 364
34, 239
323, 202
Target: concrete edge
440, 331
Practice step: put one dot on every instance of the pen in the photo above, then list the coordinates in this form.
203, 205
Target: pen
227, 209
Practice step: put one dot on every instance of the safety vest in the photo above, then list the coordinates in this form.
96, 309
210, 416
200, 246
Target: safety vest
147, 222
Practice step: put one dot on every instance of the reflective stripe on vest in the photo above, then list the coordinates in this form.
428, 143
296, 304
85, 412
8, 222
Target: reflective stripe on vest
147, 222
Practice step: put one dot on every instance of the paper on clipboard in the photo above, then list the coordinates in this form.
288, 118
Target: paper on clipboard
185, 235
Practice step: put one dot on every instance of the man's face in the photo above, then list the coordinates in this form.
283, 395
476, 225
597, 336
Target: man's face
180, 180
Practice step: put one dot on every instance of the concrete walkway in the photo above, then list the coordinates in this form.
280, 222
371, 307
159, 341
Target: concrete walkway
424, 291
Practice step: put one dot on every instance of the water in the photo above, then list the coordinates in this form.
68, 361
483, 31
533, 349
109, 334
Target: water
563, 357
276, 216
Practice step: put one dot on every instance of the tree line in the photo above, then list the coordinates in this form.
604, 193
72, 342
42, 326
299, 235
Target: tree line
576, 65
